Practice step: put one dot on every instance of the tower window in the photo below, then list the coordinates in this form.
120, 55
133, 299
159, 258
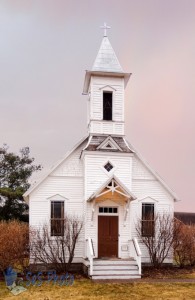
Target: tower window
107, 106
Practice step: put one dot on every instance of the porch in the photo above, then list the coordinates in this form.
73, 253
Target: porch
113, 268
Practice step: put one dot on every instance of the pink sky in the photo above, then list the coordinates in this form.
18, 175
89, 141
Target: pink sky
45, 47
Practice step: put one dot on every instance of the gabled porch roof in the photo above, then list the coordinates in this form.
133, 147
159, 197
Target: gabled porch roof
113, 184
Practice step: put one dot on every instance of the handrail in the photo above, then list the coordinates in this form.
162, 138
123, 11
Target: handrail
90, 255
138, 254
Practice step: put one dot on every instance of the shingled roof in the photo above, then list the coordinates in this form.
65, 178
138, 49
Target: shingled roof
96, 141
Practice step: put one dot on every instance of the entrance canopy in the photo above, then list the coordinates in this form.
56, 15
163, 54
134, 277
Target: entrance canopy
112, 189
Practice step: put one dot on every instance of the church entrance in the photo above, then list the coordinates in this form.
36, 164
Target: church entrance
107, 236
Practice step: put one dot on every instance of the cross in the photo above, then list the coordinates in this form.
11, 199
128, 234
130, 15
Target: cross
105, 27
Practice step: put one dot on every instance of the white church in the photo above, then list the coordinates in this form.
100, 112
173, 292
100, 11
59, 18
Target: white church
104, 180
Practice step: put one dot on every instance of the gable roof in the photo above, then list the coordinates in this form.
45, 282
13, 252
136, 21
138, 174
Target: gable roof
92, 144
33, 187
106, 60
97, 143
104, 185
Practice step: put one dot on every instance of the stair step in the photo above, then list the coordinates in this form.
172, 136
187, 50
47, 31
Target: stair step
115, 267
121, 276
114, 262
114, 272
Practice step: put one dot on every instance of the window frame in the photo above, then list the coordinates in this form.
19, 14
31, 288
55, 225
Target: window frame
147, 224
107, 92
52, 232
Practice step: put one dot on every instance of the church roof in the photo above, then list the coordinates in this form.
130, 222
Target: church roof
106, 60
96, 141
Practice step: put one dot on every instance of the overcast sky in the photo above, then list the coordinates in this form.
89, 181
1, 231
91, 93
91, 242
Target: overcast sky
45, 48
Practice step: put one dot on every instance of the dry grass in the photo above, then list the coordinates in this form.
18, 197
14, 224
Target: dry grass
86, 289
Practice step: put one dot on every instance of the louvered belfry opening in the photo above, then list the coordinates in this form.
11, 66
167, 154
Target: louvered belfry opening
107, 106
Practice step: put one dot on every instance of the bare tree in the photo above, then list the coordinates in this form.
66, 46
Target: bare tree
58, 249
157, 234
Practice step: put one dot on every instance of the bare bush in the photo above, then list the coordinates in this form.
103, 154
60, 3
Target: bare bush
14, 241
159, 237
57, 250
184, 245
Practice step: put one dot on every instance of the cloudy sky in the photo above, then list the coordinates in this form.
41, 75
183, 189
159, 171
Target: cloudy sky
45, 48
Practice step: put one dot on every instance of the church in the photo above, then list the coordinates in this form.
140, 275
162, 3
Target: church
104, 180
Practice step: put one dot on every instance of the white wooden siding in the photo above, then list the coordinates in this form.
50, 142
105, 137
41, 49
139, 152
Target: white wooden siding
96, 175
72, 166
67, 181
147, 189
98, 85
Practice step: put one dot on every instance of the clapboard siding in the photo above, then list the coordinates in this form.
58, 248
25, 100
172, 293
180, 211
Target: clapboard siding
140, 171
148, 189
98, 85
69, 187
96, 175
72, 166
104, 127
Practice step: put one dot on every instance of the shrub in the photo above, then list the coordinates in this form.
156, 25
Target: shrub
14, 240
184, 246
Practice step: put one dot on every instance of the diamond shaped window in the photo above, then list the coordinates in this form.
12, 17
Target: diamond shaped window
108, 166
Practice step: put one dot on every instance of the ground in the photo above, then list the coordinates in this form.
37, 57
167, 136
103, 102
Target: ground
172, 284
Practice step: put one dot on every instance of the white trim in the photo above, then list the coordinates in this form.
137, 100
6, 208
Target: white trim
150, 199
57, 197
120, 184
112, 170
49, 210
108, 153
107, 86
113, 144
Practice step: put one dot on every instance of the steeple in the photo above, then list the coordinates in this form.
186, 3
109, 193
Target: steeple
105, 84
106, 60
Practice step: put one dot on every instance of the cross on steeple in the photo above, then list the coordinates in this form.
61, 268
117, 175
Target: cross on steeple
105, 27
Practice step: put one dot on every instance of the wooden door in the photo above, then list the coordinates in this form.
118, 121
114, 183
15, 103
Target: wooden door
107, 236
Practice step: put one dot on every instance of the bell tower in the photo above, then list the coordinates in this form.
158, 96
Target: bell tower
105, 84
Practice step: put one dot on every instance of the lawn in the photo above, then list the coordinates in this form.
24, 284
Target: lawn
84, 289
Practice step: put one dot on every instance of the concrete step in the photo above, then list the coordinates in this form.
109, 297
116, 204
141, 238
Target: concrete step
114, 272
122, 276
115, 267
113, 262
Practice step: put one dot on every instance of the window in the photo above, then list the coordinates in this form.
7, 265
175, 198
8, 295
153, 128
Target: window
108, 166
110, 210
107, 106
147, 219
57, 218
